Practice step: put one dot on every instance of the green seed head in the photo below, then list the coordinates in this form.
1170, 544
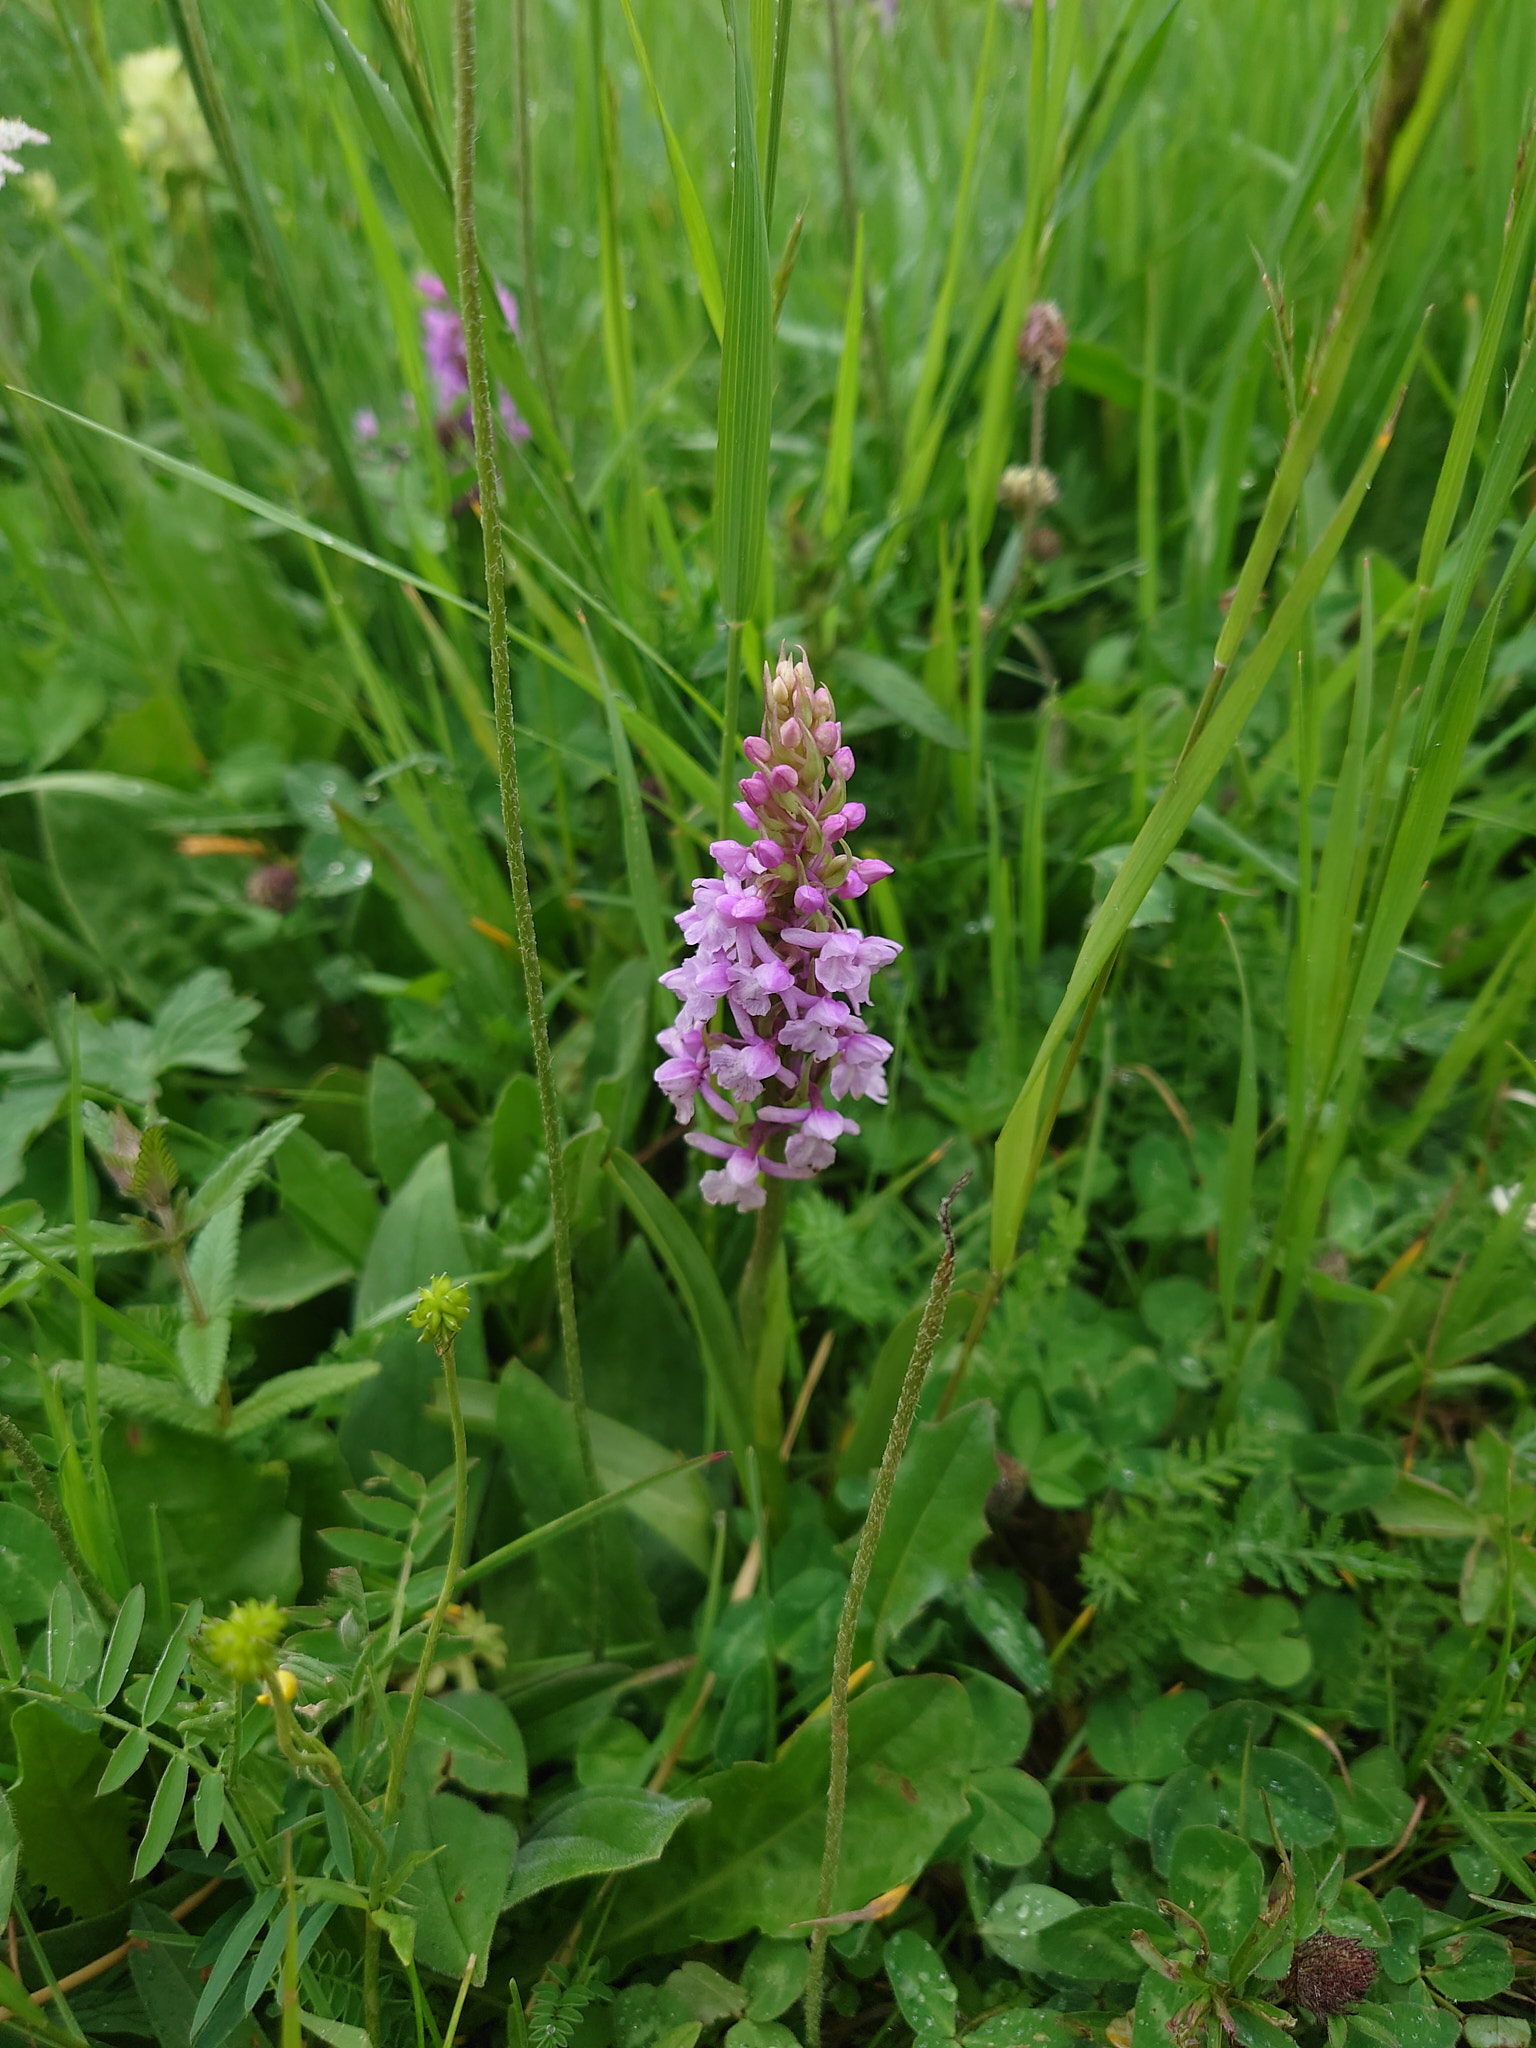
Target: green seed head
440, 1311
245, 1643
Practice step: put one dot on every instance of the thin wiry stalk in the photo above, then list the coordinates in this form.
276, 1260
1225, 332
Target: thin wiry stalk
847, 1628
501, 685
394, 1790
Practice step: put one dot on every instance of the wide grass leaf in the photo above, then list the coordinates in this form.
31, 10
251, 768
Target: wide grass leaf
594, 1832
458, 1894
935, 1520
754, 1859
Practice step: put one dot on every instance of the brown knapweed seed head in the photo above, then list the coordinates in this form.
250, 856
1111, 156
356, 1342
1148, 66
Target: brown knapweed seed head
273, 887
1043, 343
1328, 1975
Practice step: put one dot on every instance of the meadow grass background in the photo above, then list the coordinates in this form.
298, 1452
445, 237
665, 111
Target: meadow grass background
1239, 1237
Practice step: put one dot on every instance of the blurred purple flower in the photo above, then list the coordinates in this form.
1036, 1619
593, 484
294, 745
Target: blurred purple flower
365, 424
769, 941
442, 341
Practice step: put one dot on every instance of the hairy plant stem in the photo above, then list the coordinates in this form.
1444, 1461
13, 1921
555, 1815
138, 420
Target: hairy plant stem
484, 420
16, 1441
923, 1348
400, 1748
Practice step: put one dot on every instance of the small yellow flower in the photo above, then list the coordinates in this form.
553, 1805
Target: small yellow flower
287, 1685
165, 133
441, 1310
246, 1641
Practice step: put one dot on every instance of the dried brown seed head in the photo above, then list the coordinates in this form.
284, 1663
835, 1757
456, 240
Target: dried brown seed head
1328, 1975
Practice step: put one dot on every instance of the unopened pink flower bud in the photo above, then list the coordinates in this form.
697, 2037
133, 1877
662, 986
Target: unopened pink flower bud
757, 750
755, 788
790, 733
768, 853
810, 902
782, 776
841, 763
828, 735
853, 815
834, 825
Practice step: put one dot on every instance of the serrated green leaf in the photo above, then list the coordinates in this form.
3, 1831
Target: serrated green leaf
73, 1843
235, 1175
288, 1392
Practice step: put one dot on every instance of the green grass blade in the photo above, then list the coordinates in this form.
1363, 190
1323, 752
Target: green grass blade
639, 861
259, 507
1424, 815
270, 254
429, 208
1332, 923
914, 473
746, 369
1002, 942
783, 15
837, 487
573, 1519
1148, 544
1115, 99
1237, 1186
701, 246
1033, 858
1495, 1016
1196, 770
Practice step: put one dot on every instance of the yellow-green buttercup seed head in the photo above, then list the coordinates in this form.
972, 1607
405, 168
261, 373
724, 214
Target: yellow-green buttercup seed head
440, 1311
245, 1642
